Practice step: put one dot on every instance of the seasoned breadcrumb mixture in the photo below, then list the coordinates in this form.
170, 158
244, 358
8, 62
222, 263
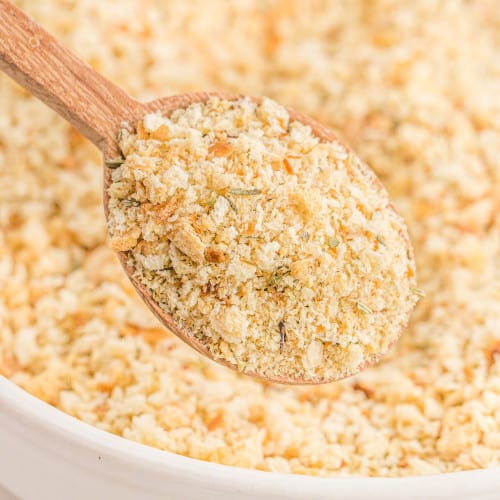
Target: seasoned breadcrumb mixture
278, 251
413, 87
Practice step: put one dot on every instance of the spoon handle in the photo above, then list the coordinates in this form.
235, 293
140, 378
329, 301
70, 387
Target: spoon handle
35, 60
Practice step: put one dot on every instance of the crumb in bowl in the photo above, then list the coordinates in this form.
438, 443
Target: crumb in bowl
413, 88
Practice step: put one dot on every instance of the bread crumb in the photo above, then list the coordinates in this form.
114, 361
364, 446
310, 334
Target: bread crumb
187, 241
260, 215
422, 112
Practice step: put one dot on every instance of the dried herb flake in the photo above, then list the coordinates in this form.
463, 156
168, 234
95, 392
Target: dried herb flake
275, 278
211, 201
245, 192
333, 242
130, 202
231, 204
418, 291
114, 163
363, 307
283, 338
251, 236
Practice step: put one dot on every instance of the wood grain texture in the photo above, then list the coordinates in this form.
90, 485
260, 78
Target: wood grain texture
34, 58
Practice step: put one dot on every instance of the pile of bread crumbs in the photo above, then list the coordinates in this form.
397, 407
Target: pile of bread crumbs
413, 87
277, 250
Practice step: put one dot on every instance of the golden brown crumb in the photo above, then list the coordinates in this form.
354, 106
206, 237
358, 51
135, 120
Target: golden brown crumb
340, 309
220, 149
216, 256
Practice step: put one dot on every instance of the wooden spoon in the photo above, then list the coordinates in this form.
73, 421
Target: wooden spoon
96, 107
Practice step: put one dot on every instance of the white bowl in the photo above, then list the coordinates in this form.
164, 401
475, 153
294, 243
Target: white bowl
48, 455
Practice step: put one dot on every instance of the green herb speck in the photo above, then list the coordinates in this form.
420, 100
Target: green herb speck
333, 242
130, 202
275, 278
283, 337
363, 307
251, 236
232, 205
114, 163
245, 192
211, 201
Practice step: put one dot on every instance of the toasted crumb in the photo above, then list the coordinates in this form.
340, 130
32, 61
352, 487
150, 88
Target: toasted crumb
370, 283
220, 149
301, 270
122, 243
213, 255
184, 238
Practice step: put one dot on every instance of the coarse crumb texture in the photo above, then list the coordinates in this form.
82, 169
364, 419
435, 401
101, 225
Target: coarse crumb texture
413, 86
279, 252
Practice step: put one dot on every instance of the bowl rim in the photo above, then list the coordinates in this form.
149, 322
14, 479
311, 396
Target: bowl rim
40, 421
